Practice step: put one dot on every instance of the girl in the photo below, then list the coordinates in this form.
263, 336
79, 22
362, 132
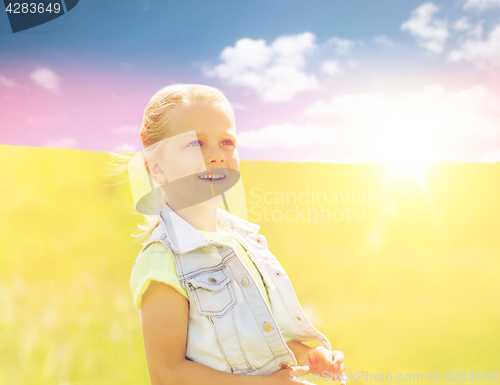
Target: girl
215, 305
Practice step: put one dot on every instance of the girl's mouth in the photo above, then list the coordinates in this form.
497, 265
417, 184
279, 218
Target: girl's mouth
212, 177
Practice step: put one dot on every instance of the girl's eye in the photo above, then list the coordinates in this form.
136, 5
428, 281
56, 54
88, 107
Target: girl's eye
229, 141
196, 143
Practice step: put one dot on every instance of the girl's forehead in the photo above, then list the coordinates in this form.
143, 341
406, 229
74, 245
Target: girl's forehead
203, 118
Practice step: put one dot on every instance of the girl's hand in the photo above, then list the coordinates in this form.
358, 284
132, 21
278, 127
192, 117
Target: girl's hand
320, 359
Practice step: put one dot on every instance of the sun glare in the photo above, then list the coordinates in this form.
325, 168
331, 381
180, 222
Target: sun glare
407, 167
407, 156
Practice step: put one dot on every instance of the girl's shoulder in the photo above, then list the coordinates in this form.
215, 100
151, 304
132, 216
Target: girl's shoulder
153, 253
156, 247
155, 263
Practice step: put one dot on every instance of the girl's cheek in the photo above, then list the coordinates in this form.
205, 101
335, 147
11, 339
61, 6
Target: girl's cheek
232, 153
236, 159
183, 166
193, 164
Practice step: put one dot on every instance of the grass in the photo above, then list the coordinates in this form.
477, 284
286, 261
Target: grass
413, 288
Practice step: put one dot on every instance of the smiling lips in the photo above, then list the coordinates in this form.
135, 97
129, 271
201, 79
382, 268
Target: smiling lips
212, 177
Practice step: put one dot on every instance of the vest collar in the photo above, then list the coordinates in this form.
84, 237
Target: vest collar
184, 237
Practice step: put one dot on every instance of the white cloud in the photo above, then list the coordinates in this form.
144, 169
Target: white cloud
383, 40
431, 33
287, 135
341, 45
46, 78
127, 129
354, 64
125, 147
477, 32
491, 156
62, 143
424, 123
331, 67
481, 4
292, 50
275, 71
462, 24
5, 82
483, 53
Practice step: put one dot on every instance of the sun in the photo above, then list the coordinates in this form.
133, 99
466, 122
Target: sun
407, 167
407, 156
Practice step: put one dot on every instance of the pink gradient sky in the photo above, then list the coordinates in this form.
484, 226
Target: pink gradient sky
354, 92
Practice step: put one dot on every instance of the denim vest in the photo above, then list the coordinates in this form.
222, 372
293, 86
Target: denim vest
231, 327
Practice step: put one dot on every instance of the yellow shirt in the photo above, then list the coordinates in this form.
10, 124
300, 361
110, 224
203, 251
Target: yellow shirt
156, 263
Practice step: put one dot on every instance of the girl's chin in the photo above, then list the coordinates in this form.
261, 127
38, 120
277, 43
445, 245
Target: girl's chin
215, 201
179, 202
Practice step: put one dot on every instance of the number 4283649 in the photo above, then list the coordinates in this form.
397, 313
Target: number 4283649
471, 376
33, 8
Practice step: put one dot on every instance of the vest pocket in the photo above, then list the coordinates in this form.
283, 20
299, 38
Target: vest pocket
212, 293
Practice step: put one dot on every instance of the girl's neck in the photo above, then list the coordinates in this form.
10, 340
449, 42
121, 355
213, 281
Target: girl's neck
201, 217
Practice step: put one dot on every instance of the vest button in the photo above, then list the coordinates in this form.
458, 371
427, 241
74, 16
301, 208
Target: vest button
268, 327
284, 365
245, 282
212, 280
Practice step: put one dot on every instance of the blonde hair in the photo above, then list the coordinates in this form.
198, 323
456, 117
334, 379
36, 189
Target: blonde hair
158, 122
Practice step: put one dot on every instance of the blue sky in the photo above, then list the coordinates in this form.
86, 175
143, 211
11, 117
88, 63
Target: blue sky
301, 75
188, 31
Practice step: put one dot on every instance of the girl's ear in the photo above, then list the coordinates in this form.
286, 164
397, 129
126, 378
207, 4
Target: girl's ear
156, 172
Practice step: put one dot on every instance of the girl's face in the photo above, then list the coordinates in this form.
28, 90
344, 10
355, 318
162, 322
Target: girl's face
203, 141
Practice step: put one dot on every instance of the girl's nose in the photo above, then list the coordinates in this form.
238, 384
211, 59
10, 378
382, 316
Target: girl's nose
215, 157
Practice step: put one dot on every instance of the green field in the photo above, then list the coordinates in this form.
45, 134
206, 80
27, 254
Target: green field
411, 285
